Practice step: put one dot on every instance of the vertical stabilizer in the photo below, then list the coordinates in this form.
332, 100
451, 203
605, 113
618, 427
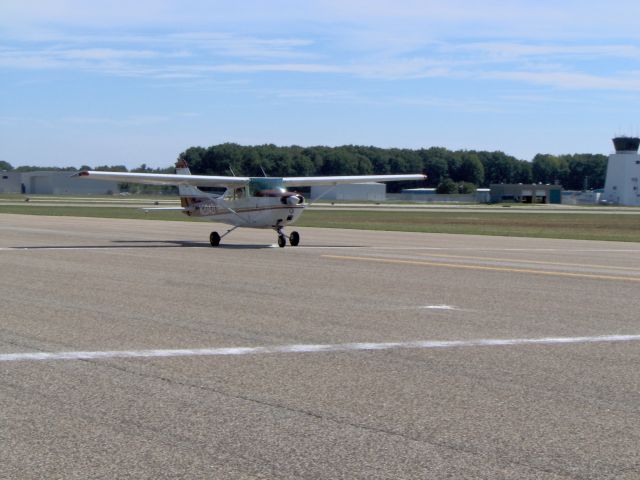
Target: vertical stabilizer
189, 195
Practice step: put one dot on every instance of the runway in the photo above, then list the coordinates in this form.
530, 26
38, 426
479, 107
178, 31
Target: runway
135, 350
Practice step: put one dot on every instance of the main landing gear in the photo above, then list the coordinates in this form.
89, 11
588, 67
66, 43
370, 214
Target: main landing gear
215, 237
294, 238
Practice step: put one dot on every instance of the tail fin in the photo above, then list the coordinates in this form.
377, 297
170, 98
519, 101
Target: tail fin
189, 195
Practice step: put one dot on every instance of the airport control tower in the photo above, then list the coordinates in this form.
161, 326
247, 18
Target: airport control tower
622, 185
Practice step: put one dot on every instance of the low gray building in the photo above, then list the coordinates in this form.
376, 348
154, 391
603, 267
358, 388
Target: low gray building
355, 191
11, 182
426, 195
54, 183
525, 193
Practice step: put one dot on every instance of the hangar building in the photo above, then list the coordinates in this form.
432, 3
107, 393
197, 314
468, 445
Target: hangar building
525, 193
356, 191
53, 183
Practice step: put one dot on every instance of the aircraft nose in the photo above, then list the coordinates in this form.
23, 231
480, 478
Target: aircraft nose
294, 200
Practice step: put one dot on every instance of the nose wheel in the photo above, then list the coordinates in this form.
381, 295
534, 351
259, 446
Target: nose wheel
294, 238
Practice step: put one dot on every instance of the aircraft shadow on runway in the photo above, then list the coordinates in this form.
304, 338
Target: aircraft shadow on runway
230, 246
128, 244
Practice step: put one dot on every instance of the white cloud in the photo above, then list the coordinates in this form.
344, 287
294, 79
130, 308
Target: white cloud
131, 121
239, 45
105, 54
502, 51
571, 81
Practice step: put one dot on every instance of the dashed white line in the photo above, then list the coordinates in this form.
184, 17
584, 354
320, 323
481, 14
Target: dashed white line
310, 348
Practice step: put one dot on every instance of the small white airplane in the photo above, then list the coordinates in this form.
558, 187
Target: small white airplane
253, 202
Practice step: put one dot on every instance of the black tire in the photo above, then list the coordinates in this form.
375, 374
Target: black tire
214, 239
282, 241
294, 239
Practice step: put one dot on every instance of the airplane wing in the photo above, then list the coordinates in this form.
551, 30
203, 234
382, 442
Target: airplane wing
166, 179
310, 181
224, 181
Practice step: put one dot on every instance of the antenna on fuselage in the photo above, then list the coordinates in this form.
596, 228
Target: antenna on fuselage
232, 172
264, 174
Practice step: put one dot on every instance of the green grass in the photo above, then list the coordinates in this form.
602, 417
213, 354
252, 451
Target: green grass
518, 223
609, 226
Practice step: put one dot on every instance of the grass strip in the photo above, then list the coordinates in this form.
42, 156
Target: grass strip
609, 226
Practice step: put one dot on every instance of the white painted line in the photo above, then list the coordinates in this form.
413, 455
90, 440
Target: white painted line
70, 249
310, 348
440, 307
488, 249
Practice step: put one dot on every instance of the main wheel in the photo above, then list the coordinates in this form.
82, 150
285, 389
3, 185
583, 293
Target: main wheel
294, 239
282, 241
214, 239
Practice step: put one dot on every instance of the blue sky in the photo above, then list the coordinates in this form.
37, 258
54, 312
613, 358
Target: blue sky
122, 82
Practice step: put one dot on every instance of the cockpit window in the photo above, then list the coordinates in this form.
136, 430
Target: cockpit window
235, 193
257, 187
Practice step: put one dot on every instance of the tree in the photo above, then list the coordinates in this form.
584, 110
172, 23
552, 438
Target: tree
447, 186
585, 171
339, 163
466, 188
499, 167
142, 169
470, 169
35, 168
522, 172
113, 168
219, 159
435, 164
549, 169
436, 170
5, 166
193, 156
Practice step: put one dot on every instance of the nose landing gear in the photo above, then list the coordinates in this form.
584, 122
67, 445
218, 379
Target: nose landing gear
294, 238
282, 240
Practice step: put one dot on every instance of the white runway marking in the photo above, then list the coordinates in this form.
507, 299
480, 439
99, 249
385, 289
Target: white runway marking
310, 348
65, 248
440, 307
487, 249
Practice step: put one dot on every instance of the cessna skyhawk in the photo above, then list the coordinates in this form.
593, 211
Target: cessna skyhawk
253, 202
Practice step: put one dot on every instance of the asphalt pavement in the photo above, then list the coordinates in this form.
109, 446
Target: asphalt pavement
133, 349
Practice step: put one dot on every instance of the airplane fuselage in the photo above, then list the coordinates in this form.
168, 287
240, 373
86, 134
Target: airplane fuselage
252, 212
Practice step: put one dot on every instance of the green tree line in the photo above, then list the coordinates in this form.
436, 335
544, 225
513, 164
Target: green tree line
460, 170
442, 166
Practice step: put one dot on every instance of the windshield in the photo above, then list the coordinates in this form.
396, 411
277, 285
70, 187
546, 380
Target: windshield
260, 184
